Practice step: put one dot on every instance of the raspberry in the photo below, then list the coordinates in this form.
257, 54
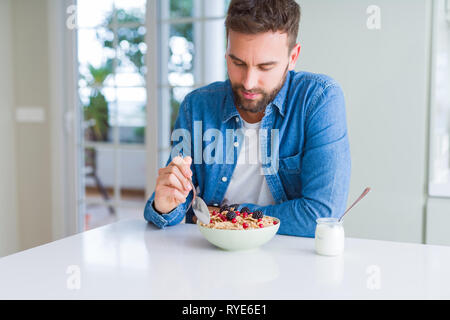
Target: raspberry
245, 226
261, 225
245, 215
260, 219
275, 222
234, 220
211, 221
214, 213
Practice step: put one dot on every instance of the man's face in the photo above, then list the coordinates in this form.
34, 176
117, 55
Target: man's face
257, 67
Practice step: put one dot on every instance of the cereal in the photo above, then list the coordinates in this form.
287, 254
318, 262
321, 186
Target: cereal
238, 221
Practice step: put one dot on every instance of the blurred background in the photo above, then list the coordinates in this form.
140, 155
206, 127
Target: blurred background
90, 90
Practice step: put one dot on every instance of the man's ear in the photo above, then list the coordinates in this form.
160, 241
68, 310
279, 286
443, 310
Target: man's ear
293, 56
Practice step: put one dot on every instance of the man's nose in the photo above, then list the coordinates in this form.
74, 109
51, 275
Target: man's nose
251, 80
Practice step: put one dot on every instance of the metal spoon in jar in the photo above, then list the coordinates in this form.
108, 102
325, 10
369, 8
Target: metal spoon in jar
365, 192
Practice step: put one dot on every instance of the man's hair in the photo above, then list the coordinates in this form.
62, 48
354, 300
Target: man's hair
258, 16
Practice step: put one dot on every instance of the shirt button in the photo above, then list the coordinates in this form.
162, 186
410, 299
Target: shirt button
216, 204
237, 119
236, 144
224, 179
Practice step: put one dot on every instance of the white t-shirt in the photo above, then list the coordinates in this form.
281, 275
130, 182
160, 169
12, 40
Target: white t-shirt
248, 183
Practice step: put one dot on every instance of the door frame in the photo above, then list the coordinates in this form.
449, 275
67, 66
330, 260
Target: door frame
151, 133
63, 120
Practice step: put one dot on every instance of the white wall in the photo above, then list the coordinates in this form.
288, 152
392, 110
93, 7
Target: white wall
9, 241
384, 75
31, 68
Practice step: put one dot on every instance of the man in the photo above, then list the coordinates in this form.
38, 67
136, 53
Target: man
297, 118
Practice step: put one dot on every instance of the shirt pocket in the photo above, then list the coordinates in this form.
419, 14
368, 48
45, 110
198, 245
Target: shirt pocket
289, 170
291, 165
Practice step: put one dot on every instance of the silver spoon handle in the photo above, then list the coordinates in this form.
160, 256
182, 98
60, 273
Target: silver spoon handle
194, 196
192, 185
193, 189
365, 192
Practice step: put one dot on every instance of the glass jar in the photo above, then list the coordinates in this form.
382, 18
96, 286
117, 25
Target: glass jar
329, 237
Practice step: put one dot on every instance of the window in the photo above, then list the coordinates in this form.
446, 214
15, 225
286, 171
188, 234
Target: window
440, 101
112, 93
191, 53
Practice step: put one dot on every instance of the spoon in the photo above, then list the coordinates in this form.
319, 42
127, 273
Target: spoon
199, 206
365, 192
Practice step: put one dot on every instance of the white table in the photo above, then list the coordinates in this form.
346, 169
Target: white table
132, 259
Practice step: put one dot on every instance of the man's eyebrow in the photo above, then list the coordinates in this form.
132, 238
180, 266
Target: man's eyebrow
232, 56
269, 63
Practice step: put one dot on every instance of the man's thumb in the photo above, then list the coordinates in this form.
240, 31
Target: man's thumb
188, 160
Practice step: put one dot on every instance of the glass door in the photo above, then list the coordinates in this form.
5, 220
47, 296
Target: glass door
112, 96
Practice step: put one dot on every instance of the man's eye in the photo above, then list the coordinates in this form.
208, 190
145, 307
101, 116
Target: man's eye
264, 68
239, 64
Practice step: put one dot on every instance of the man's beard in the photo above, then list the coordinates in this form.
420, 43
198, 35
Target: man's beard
258, 105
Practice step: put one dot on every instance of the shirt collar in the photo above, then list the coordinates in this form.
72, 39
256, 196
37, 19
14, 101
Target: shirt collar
282, 94
230, 110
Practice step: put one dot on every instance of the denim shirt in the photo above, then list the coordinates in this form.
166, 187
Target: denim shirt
306, 136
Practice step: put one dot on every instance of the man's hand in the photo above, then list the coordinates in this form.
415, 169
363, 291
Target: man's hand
172, 184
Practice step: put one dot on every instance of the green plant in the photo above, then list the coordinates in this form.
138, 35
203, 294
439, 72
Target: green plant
97, 109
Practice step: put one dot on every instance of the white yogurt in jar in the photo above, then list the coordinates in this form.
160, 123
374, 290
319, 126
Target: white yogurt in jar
329, 237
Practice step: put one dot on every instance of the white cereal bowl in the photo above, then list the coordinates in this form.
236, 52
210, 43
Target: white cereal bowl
234, 240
